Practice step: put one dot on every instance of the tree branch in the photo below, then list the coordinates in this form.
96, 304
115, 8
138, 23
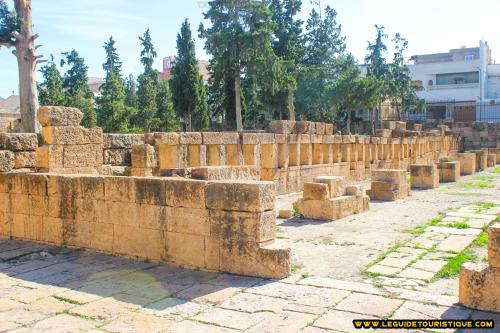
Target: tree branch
16, 35
7, 43
38, 46
41, 61
35, 36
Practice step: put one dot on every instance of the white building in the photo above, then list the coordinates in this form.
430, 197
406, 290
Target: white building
462, 84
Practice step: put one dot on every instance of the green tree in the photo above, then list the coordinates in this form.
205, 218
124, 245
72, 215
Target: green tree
188, 89
131, 92
288, 44
402, 92
350, 91
147, 114
51, 91
239, 41
168, 121
112, 112
378, 68
324, 43
75, 84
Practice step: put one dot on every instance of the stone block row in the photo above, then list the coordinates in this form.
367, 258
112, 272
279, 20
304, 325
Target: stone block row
217, 225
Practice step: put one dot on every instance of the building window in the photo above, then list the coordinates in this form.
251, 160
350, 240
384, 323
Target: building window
469, 57
457, 78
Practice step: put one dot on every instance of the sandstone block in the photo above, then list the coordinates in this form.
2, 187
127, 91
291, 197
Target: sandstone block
185, 249
119, 189
319, 128
169, 138
138, 242
82, 156
329, 129
152, 216
316, 191
101, 237
49, 157
246, 196
384, 133
24, 159
449, 171
19, 141
285, 214
7, 160
302, 127
212, 253
141, 172
122, 141
71, 135
185, 192
62, 186
478, 287
355, 190
251, 259
467, 163
424, 176
226, 173
190, 138
395, 176
193, 221
492, 160
143, 156
59, 116
117, 157
281, 126
220, 138
336, 185
150, 191
494, 246
250, 226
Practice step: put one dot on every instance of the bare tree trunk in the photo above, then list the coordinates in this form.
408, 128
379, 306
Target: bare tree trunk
348, 121
372, 120
27, 61
237, 92
189, 119
291, 105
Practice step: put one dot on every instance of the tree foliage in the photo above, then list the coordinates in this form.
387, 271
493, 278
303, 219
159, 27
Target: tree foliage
51, 91
188, 89
75, 84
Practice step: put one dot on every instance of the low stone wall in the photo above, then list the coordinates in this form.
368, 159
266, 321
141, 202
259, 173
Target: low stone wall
221, 225
22, 146
290, 160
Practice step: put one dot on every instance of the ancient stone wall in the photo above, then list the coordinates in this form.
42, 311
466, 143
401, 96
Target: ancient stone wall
21, 148
222, 225
292, 159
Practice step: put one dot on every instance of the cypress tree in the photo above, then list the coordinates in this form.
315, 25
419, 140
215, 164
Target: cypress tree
51, 91
188, 89
77, 91
112, 116
147, 115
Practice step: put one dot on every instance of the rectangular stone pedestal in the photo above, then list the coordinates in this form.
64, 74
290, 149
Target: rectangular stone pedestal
492, 160
424, 176
449, 171
389, 185
467, 163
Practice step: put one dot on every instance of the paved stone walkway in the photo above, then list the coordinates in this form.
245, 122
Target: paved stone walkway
48, 289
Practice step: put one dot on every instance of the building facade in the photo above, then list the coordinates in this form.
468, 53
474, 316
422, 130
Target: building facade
461, 85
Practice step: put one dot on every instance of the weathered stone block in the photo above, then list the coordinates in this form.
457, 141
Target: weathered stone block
492, 160
143, 156
50, 157
19, 141
226, 173
248, 226
494, 246
246, 196
220, 138
424, 176
478, 288
7, 161
190, 138
59, 116
185, 192
82, 156
71, 135
384, 133
449, 171
118, 157
101, 237
150, 191
24, 159
169, 138
355, 190
316, 191
122, 141
336, 185
395, 176
281, 126
185, 249
141, 172
119, 189
329, 129
138, 242
302, 127
193, 221
251, 259
467, 163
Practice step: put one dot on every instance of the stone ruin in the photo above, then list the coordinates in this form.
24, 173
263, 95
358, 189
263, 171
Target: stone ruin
329, 198
479, 283
203, 200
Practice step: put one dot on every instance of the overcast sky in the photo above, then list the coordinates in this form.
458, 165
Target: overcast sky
429, 25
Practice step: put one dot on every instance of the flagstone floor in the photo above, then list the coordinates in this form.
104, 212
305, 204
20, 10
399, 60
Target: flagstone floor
384, 263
